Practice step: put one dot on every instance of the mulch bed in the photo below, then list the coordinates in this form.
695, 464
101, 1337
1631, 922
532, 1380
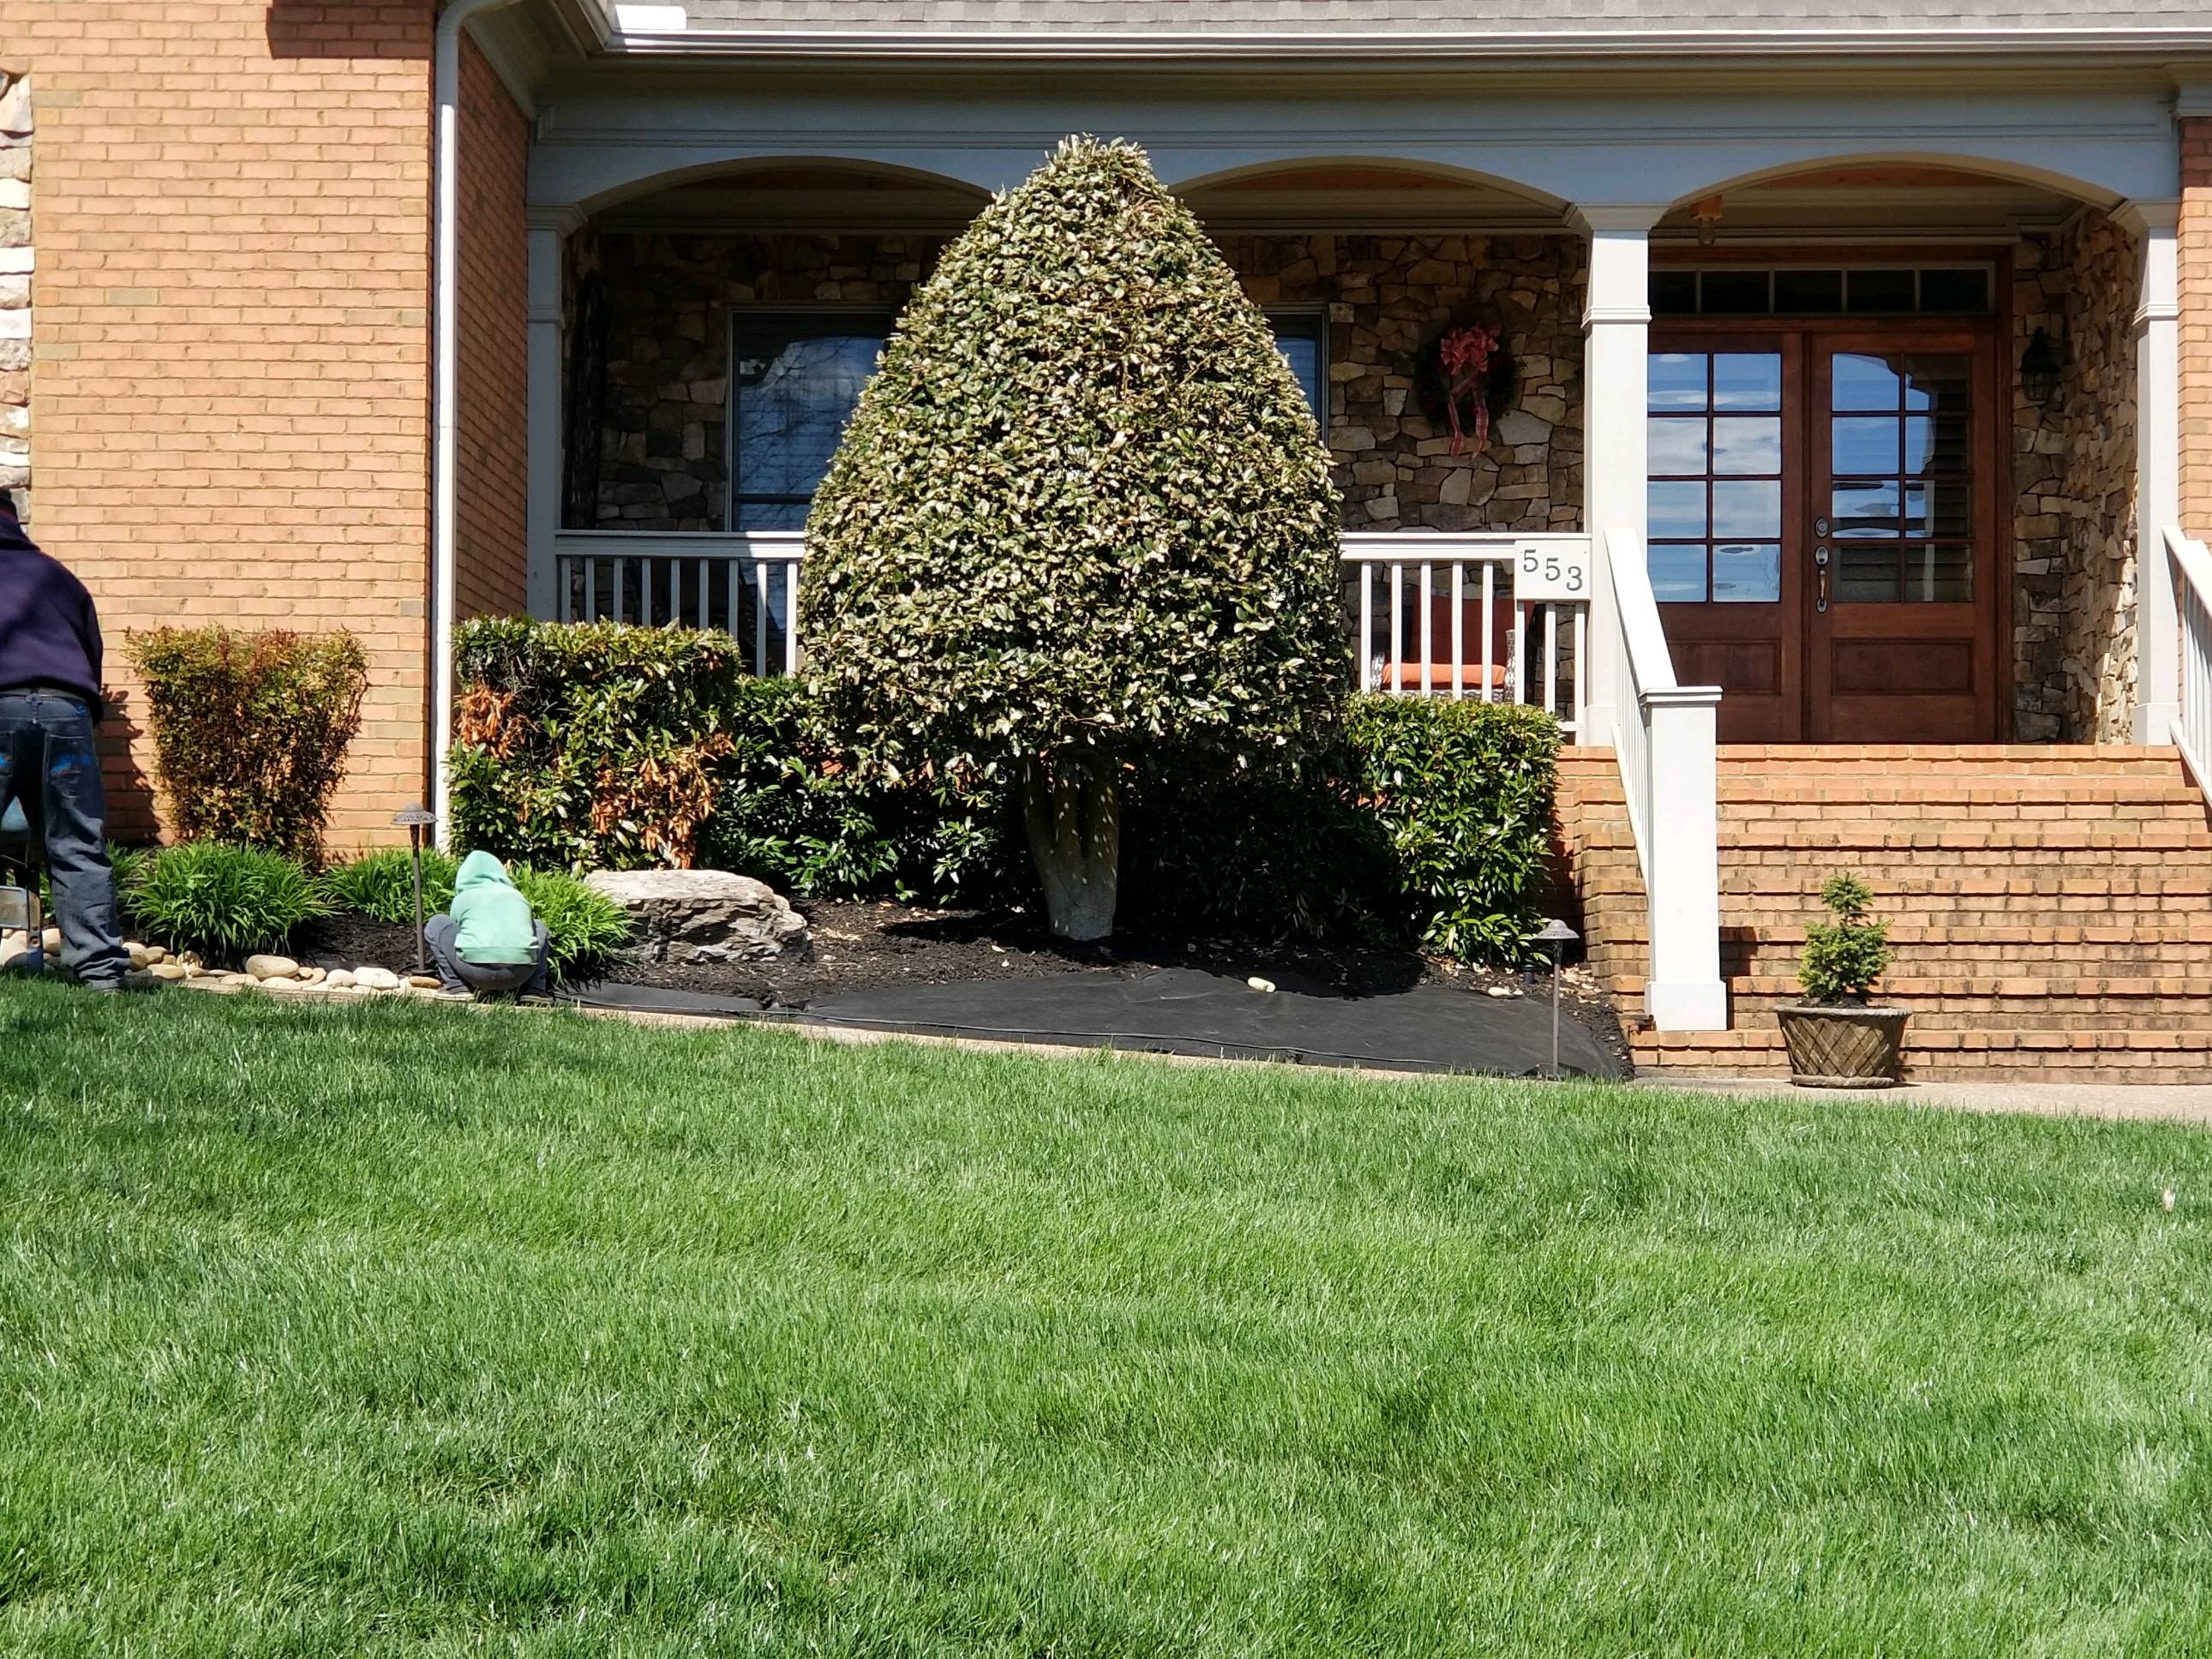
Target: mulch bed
865, 946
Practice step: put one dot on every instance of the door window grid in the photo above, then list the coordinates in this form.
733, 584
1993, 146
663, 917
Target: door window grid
1812, 291
1901, 478
1715, 504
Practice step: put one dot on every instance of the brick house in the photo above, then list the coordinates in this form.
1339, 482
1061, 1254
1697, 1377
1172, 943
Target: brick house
1838, 497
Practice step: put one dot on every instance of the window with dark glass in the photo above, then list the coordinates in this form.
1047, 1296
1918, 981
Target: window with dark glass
1901, 461
1715, 506
1303, 338
1815, 291
794, 379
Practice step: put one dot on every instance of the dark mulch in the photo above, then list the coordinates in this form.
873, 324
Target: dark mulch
349, 941
865, 946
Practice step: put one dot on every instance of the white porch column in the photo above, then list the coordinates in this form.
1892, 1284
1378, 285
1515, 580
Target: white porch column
1684, 991
2158, 465
546, 449
1617, 332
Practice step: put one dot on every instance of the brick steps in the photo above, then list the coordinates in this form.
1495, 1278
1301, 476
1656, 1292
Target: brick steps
2051, 907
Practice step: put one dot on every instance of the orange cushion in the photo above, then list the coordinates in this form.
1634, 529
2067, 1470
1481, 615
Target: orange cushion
1407, 676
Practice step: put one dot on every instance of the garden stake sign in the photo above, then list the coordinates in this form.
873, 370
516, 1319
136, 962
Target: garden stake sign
1467, 356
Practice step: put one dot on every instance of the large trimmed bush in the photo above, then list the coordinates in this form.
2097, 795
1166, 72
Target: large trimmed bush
251, 730
1081, 525
601, 746
1423, 822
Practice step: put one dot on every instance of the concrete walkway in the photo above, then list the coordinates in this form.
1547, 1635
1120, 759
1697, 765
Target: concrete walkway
2144, 1102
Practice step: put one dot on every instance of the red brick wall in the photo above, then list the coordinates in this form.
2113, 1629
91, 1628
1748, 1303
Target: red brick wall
231, 345
493, 370
2195, 248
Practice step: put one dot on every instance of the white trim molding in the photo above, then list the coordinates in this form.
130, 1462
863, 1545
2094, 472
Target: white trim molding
2158, 463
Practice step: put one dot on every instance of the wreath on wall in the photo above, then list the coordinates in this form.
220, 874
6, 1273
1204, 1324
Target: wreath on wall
1466, 379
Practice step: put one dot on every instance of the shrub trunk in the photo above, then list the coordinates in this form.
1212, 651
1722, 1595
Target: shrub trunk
1073, 808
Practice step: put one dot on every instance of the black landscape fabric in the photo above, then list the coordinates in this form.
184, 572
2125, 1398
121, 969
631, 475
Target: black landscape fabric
1184, 1011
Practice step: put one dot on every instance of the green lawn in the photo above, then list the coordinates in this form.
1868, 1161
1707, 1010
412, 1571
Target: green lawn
392, 1330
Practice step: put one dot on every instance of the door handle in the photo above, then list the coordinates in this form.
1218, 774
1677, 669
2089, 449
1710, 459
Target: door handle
1820, 579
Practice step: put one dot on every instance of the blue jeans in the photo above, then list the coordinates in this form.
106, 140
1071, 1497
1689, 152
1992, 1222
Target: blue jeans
442, 935
47, 759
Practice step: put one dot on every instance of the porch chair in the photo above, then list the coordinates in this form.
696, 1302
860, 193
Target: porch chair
1409, 670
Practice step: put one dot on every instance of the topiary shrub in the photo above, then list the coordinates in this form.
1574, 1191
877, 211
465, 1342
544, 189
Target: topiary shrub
381, 886
1844, 959
1081, 524
251, 730
220, 900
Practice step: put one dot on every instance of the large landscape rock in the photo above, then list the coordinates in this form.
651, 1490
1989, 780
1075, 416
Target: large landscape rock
695, 916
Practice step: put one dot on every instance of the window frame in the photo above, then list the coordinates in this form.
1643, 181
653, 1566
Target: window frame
1306, 320
832, 317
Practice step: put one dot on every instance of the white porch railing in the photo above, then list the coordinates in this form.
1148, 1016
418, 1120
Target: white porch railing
744, 584
1434, 615
2193, 594
1664, 737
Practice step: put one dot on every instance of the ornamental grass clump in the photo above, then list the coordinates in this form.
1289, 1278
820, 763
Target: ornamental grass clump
1081, 524
223, 901
1844, 959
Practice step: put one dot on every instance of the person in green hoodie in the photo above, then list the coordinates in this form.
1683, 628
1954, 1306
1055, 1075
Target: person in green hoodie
490, 943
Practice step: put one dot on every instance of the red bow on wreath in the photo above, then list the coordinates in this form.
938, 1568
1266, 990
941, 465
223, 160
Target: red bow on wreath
1466, 355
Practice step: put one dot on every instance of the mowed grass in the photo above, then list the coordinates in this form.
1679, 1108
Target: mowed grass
393, 1330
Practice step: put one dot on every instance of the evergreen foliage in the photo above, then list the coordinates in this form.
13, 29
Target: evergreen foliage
1081, 523
1843, 959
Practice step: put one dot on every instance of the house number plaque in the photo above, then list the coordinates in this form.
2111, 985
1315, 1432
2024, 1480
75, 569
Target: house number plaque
1551, 571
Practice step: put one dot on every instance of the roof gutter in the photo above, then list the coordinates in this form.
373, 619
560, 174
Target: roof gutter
1427, 47
445, 418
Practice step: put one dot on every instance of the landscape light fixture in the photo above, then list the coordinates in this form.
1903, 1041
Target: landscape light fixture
415, 820
2040, 368
1559, 936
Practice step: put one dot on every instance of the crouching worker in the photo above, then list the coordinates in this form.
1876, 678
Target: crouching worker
490, 943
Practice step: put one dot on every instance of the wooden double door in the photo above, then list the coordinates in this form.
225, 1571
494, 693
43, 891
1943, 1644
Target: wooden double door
1824, 538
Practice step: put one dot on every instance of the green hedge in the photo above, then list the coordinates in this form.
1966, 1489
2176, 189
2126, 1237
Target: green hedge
602, 746
599, 746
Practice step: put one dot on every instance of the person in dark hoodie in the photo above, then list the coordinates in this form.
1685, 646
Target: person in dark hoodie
50, 686
491, 942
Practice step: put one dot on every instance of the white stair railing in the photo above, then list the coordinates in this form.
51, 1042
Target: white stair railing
1665, 738
2192, 593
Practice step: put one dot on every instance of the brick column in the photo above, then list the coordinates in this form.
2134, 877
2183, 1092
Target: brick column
16, 262
2194, 232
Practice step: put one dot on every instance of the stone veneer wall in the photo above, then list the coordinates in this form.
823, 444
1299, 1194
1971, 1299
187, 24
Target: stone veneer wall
16, 260
1387, 296
664, 460
2074, 482
662, 464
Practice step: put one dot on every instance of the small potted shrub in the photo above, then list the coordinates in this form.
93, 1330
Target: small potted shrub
1836, 1038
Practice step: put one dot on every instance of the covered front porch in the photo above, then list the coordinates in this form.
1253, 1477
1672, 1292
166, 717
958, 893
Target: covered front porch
1832, 431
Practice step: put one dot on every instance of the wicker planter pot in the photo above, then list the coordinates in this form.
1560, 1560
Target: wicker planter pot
1844, 1047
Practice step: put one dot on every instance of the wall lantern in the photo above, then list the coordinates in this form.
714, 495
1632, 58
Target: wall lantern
2040, 368
1558, 935
415, 820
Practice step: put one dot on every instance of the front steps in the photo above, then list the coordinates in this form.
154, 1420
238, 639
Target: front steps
2051, 907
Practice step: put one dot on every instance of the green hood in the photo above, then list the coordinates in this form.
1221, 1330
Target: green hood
494, 925
480, 870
